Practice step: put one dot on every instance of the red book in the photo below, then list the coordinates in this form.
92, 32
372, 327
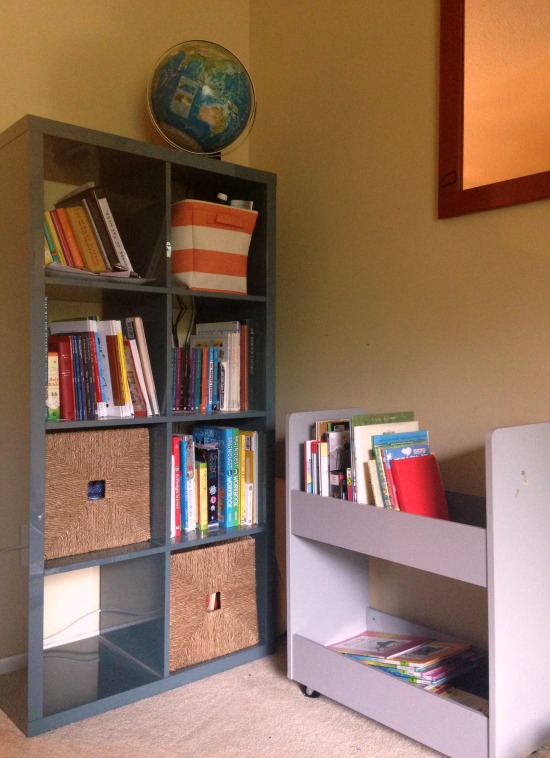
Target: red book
176, 441
62, 345
419, 487
204, 379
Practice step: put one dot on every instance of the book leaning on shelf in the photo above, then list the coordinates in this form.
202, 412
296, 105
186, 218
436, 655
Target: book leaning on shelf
81, 234
102, 370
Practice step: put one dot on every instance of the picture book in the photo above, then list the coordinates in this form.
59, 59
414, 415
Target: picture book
419, 487
428, 653
380, 645
362, 433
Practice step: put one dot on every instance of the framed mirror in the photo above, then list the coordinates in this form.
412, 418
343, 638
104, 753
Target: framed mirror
494, 104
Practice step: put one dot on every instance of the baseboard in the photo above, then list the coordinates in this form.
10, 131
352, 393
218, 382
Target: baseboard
13, 663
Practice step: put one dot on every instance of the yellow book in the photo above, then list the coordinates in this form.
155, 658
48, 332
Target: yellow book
201, 492
124, 371
248, 468
242, 478
52, 239
47, 252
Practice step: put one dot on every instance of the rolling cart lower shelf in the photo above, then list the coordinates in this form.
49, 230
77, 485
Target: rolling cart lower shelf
329, 543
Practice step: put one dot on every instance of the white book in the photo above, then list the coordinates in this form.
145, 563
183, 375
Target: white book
112, 228
218, 326
111, 328
324, 482
362, 453
135, 330
139, 374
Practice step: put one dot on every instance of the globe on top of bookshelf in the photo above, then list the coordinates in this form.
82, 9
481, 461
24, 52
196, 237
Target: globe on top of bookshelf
201, 98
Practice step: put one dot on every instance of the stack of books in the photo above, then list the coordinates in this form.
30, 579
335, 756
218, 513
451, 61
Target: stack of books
211, 372
103, 370
424, 661
382, 459
81, 235
214, 478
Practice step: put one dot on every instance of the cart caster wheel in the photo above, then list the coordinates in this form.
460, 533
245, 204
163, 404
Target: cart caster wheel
310, 692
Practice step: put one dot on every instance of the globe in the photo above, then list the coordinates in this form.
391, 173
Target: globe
201, 98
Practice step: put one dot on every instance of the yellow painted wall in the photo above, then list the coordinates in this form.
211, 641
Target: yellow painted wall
89, 62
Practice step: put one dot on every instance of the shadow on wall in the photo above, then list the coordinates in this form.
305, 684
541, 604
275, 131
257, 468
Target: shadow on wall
465, 472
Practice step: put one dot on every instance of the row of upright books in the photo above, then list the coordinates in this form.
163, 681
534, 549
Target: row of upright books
212, 371
80, 234
214, 479
428, 662
382, 459
99, 369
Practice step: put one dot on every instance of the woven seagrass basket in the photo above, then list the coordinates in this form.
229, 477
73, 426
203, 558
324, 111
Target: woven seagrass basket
97, 490
228, 572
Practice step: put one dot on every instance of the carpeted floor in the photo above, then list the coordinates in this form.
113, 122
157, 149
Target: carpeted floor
252, 711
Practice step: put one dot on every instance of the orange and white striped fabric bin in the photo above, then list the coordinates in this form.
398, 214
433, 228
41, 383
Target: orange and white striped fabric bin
210, 245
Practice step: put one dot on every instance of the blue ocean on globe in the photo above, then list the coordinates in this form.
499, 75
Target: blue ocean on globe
201, 98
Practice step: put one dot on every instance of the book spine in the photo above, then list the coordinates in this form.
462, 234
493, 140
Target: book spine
176, 457
66, 379
204, 380
114, 366
96, 235
122, 361
244, 366
112, 228
138, 401
215, 379
191, 511
139, 330
101, 232
52, 239
85, 238
201, 495
72, 245
236, 477
89, 379
212, 468
53, 404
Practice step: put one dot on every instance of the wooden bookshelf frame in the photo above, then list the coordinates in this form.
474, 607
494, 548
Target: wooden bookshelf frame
128, 658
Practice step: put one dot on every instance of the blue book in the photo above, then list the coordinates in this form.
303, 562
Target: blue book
214, 356
78, 379
187, 484
381, 444
224, 439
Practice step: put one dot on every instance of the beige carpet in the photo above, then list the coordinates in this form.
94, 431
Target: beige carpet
252, 711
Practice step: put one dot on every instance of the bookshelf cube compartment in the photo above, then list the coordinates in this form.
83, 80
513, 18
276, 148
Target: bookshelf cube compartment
210, 244
123, 644
212, 601
97, 490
